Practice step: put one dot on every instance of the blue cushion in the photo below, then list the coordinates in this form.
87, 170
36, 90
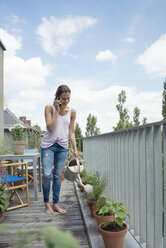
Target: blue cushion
11, 179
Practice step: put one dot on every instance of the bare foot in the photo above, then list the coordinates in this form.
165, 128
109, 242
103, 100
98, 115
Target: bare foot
57, 208
49, 209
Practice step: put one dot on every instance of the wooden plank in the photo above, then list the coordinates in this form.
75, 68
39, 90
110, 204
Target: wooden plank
34, 216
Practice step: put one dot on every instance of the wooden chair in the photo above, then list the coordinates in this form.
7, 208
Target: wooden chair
16, 182
30, 165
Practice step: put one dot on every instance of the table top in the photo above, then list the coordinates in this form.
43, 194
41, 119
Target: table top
25, 155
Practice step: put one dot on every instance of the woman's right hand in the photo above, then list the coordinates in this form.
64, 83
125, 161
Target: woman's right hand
56, 104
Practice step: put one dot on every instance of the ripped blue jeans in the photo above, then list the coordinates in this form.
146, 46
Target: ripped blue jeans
54, 155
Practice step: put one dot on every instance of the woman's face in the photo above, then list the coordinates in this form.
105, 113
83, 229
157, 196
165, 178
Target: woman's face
65, 98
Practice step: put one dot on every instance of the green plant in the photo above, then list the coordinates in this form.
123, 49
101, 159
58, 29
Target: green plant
34, 139
118, 209
17, 133
89, 178
99, 184
4, 200
5, 146
53, 237
101, 202
83, 173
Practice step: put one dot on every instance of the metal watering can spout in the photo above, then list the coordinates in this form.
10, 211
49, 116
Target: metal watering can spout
88, 188
72, 173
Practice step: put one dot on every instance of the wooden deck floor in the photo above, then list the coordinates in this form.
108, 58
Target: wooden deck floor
33, 217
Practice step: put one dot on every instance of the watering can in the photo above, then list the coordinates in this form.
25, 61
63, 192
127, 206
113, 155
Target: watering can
72, 173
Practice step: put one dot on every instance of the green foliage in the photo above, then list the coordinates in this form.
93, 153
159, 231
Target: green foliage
4, 199
17, 133
164, 101
91, 128
123, 113
99, 184
101, 202
52, 236
136, 114
5, 146
124, 116
78, 135
88, 179
34, 139
84, 173
118, 209
144, 121
57, 239
77, 131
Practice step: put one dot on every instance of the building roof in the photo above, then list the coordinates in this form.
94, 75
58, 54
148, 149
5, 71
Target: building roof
2, 46
10, 120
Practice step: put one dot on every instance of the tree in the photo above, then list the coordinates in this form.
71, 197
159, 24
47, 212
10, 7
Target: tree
91, 128
164, 101
136, 114
34, 137
124, 116
123, 113
144, 121
78, 135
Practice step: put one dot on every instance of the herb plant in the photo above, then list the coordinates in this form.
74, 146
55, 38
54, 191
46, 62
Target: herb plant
17, 133
118, 209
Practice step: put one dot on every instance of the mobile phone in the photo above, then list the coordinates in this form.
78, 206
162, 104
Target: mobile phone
59, 99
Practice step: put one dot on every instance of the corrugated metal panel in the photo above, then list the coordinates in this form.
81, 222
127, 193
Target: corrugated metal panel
132, 160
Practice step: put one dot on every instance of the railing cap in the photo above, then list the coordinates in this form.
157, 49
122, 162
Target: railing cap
158, 123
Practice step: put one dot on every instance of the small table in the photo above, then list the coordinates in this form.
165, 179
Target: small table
34, 157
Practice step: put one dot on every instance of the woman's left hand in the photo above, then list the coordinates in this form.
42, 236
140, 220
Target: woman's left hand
76, 154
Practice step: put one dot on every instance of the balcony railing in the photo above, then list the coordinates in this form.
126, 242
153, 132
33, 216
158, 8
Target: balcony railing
134, 160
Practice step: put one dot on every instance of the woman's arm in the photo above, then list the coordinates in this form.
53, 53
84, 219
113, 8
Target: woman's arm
71, 132
50, 119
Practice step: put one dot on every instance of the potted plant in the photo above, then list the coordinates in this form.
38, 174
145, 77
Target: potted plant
114, 232
105, 215
99, 185
18, 143
83, 175
4, 200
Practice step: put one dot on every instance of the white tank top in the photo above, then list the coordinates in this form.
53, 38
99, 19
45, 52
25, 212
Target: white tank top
60, 132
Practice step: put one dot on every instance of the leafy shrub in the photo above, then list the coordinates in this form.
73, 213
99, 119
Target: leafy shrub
5, 146
17, 133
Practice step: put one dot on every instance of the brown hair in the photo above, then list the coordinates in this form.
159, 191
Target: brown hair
61, 89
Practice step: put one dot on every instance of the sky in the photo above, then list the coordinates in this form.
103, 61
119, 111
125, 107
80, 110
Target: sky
97, 48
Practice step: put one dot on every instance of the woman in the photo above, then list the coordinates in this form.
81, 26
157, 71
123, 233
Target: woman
60, 121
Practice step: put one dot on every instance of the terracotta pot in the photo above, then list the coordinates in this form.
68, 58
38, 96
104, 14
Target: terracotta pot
92, 206
100, 219
1, 217
18, 147
113, 239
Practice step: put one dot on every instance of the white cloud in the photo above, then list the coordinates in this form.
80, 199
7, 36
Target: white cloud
129, 40
86, 99
106, 55
19, 73
24, 80
153, 60
11, 43
58, 35
102, 103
